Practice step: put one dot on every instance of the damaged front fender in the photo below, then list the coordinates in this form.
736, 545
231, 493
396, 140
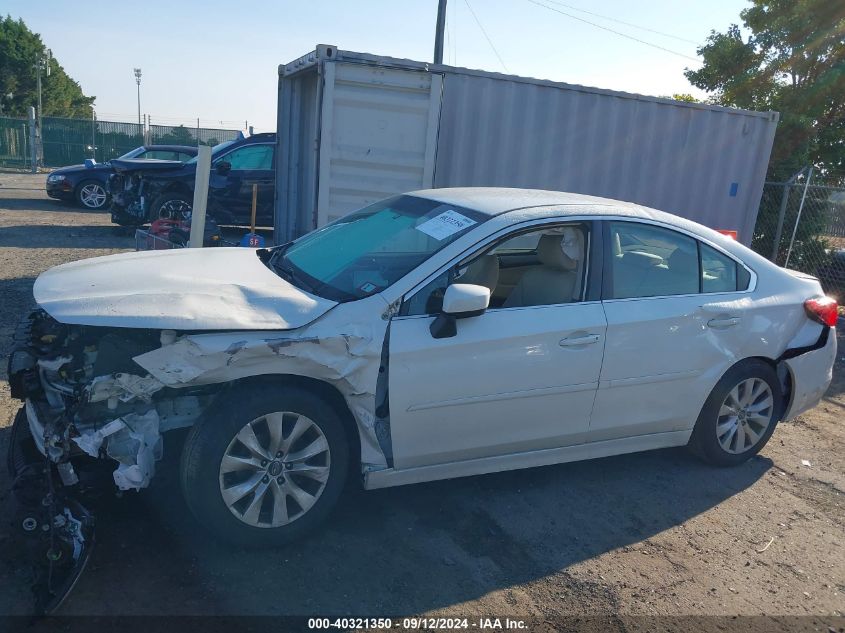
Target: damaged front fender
344, 349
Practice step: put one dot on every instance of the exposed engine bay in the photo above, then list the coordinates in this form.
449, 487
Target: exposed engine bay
90, 415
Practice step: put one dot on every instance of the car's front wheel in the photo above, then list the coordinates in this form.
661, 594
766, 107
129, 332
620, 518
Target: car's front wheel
266, 467
171, 206
740, 414
92, 195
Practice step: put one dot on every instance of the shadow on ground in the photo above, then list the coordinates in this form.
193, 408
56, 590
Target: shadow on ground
68, 235
403, 550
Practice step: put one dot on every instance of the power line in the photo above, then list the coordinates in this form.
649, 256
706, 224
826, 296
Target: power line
489, 41
631, 24
610, 30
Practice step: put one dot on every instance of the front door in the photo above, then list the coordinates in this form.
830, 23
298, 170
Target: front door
230, 186
520, 377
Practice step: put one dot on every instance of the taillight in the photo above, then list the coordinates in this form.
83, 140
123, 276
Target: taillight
822, 309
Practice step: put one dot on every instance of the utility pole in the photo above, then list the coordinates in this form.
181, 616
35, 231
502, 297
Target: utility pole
138, 81
41, 64
438, 32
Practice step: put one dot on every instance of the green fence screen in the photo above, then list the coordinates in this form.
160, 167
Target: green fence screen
71, 141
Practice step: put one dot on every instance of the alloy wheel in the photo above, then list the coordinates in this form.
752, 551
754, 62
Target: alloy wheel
93, 196
175, 210
275, 469
745, 415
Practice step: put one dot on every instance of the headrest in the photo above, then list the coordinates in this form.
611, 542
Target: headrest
562, 251
484, 271
681, 259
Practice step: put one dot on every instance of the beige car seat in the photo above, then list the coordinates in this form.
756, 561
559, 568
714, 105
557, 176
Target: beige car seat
484, 271
556, 280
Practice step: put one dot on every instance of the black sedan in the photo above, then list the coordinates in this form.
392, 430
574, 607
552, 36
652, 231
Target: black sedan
87, 184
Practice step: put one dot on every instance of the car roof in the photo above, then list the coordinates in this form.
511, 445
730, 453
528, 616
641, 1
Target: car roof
530, 204
188, 149
498, 200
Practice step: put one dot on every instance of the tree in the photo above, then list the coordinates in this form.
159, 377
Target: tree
685, 97
793, 61
19, 50
179, 135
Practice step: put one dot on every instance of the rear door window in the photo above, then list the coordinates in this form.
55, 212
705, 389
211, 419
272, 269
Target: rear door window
651, 261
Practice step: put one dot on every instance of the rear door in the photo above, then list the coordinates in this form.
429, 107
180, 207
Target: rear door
675, 320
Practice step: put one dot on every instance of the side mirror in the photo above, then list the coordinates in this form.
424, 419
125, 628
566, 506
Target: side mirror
223, 167
460, 302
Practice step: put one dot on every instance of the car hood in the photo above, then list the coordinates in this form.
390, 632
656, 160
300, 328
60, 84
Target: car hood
144, 164
81, 168
182, 289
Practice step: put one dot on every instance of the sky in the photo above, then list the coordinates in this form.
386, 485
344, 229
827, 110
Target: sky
217, 60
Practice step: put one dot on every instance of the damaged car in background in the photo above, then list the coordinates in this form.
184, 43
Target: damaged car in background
432, 335
144, 191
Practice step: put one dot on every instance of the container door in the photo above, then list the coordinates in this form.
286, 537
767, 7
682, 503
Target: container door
378, 135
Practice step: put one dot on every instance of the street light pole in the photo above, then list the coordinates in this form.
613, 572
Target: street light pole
138, 81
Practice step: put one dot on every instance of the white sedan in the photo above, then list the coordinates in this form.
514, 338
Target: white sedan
432, 335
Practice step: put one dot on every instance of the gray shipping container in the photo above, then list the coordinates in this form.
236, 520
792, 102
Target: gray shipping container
354, 128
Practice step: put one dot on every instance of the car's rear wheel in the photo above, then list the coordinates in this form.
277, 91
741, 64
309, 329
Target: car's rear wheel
92, 195
265, 468
740, 414
171, 206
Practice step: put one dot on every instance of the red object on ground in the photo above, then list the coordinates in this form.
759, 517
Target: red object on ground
161, 229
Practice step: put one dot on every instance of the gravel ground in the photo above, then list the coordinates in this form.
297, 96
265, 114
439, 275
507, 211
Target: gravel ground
655, 533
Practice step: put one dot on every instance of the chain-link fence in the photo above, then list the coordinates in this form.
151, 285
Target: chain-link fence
14, 142
181, 135
71, 141
801, 226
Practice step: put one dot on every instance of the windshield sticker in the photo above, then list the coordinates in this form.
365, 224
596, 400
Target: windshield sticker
368, 287
447, 223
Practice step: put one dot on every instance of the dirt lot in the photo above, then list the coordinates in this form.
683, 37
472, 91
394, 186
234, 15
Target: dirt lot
648, 534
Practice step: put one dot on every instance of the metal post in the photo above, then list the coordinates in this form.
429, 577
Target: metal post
787, 187
38, 83
42, 63
94, 135
438, 32
200, 197
798, 219
32, 145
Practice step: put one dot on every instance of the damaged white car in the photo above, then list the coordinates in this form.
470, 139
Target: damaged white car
436, 334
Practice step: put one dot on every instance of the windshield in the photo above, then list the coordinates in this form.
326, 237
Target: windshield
214, 151
368, 250
134, 153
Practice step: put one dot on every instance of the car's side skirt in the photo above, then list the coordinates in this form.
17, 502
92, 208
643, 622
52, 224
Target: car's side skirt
392, 477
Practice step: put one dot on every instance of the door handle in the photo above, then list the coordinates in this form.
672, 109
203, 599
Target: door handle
723, 323
579, 340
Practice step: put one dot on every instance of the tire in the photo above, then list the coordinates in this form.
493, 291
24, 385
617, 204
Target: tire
92, 195
206, 477
723, 438
172, 205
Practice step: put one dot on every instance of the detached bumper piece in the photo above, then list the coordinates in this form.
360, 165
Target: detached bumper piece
57, 529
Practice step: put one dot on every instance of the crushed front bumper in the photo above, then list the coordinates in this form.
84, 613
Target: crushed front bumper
58, 531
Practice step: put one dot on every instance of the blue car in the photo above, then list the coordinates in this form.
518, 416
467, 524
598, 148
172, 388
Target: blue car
87, 184
145, 191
